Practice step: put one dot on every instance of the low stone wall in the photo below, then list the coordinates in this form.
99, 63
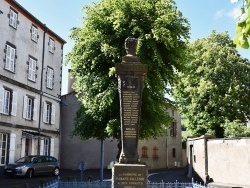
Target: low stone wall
220, 160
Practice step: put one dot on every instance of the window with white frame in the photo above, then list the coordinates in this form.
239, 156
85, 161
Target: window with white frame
51, 45
32, 69
50, 78
48, 113
10, 58
30, 108
8, 102
3, 147
13, 18
46, 146
34, 33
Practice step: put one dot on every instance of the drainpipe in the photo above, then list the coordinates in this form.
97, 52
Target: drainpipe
101, 160
206, 160
41, 91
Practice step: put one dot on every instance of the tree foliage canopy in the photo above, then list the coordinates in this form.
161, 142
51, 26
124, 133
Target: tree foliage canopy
161, 31
214, 88
243, 26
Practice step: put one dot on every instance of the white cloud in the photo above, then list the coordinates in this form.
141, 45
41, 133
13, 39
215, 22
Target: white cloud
234, 1
234, 13
219, 13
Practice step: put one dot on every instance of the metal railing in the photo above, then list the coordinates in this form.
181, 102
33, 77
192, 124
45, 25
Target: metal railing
108, 184
176, 185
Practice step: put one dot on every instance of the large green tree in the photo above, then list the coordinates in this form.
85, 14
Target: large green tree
214, 89
162, 32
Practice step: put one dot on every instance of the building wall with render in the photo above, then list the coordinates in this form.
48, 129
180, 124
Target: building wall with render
27, 136
220, 160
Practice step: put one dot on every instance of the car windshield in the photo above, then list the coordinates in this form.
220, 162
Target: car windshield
26, 159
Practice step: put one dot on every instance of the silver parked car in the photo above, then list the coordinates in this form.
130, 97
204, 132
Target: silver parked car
33, 165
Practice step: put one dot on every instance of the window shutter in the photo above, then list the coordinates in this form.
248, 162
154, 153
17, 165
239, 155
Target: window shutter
44, 112
13, 52
35, 110
8, 57
41, 147
175, 128
29, 68
1, 99
52, 145
171, 131
25, 100
14, 104
15, 21
53, 114
11, 18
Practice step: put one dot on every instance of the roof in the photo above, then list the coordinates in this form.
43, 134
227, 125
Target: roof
34, 19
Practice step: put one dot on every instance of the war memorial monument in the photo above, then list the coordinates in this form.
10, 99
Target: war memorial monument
129, 173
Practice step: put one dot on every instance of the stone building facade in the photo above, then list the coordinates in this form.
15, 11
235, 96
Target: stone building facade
31, 58
165, 151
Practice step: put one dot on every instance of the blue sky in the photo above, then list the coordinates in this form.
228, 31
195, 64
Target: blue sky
203, 15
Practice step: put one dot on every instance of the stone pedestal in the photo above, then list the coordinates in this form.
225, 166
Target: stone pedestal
129, 176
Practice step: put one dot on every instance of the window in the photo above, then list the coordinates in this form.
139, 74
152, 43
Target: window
13, 18
172, 112
34, 33
50, 77
3, 148
144, 152
30, 108
173, 129
8, 102
173, 152
51, 45
32, 69
155, 152
46, 146
10, 58
48, 113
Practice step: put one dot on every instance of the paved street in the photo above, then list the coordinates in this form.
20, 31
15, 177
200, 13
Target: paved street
167, 175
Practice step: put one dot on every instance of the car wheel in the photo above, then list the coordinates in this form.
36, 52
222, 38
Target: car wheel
56, 172
29, 173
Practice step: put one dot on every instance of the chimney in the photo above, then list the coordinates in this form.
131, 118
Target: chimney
71, 81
